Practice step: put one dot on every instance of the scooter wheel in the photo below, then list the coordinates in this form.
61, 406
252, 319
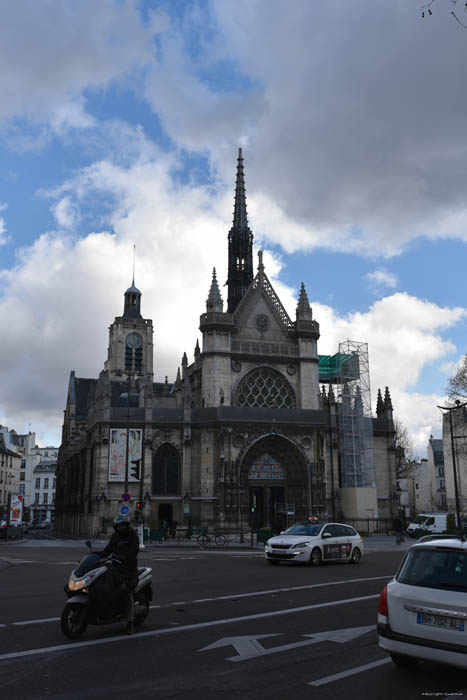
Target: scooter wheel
73, 620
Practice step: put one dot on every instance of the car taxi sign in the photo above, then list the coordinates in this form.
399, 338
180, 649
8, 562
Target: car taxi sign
125, 496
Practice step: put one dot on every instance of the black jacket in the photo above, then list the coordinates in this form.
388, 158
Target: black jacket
124, 545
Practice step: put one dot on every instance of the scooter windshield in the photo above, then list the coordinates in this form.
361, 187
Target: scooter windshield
90, 561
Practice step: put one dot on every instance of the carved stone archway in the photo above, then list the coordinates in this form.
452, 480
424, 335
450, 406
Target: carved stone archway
273, 472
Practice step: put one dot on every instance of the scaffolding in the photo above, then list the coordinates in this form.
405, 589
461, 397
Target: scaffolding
349, 375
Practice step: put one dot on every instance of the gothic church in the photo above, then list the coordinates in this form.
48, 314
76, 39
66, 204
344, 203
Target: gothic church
259, 430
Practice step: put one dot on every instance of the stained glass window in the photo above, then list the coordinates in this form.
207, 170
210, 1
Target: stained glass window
266, 467
265, 388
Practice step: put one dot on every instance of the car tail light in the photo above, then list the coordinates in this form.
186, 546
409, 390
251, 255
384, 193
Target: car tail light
383, 602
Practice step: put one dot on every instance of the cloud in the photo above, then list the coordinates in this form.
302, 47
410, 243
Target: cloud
65, 213
338, 106
51, 52
381, 278
4, 238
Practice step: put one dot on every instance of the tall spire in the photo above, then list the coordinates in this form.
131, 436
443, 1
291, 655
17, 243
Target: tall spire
132, 307
214, 301
240, 274
379, 405
387, 400
303, 307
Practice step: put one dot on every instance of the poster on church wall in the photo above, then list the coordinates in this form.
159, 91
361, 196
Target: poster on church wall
117, 454
16, 510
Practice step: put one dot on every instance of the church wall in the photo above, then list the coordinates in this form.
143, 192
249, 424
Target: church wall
216, 380
385, 466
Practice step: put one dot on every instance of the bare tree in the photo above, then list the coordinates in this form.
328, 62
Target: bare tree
427, 10
405, 454
457, 384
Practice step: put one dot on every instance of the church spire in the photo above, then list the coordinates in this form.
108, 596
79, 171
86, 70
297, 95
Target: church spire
303, 307
132, 308
214, 301
240, 274
379, 405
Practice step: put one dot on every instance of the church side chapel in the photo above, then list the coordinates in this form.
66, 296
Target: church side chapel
257, 431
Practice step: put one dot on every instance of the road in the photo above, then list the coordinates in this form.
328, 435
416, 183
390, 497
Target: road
224, 625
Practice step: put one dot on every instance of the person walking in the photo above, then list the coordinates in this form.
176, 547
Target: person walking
399, 531
124, 544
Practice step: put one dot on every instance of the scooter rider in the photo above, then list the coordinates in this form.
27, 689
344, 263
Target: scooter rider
124, 544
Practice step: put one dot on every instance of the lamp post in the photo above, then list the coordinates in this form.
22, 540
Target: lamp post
450, 409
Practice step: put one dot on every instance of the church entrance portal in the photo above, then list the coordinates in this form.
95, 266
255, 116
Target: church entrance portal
274, 475
165, 512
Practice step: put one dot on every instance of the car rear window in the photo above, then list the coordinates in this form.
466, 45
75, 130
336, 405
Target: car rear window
445, 569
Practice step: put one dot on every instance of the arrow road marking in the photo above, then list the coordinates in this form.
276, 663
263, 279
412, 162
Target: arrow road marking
248, 647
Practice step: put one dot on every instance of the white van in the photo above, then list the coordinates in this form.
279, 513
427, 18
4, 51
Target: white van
435, 523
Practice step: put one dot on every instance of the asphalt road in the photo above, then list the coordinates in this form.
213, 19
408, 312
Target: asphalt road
224, 625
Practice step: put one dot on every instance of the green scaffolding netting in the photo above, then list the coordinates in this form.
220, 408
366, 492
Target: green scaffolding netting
332, 367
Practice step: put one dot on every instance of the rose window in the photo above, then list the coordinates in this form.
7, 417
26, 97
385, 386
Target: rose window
265, 388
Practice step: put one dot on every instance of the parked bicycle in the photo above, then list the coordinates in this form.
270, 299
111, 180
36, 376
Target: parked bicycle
205, 539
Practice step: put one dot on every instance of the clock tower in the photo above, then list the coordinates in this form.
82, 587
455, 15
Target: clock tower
130, 340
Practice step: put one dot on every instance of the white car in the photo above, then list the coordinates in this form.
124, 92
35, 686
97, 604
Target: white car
313, 543
422, 612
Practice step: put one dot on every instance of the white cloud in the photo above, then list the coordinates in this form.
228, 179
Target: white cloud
50, 52
381, 278
339, 106
4, 238
65, 213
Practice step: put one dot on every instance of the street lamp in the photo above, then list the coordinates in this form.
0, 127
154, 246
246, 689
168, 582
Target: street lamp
454, 467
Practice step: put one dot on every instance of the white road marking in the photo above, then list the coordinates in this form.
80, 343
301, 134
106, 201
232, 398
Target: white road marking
301, 588
35, 622
249, 648
233, 596
182, 628
20, 561
351, 672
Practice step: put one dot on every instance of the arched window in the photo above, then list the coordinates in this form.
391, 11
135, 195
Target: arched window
265, 388
166, 471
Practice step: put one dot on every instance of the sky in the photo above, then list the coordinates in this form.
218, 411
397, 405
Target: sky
120, 123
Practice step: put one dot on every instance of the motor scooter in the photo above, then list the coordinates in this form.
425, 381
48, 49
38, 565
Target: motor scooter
97, 595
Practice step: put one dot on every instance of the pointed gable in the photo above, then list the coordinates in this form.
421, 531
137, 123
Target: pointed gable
261, 309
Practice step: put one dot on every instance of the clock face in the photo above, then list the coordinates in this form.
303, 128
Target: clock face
134, 341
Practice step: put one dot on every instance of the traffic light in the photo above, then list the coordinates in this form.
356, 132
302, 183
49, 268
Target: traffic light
139, 512
134, 470
252, 509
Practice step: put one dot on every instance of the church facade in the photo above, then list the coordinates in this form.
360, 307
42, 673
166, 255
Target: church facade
258, 430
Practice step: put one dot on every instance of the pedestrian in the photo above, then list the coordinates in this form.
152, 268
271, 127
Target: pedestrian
173, 528
164, 528
124, 544
399, 531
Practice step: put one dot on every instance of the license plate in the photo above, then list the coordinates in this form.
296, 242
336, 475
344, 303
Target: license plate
279, 551
448, 623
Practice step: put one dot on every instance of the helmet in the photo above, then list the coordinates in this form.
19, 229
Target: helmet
121, 520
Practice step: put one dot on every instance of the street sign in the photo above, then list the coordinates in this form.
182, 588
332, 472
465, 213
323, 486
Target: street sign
125, 496
124, 510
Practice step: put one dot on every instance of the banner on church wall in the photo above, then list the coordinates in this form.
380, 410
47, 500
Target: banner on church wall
117, 454
16, 509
